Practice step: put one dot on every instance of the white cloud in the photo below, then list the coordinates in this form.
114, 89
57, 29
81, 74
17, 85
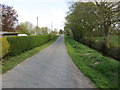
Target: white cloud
32, 1
58, 18
25, 16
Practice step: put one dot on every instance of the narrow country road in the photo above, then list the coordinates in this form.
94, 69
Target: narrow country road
50, 68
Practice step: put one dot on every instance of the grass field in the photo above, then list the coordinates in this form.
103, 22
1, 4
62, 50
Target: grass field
10, 62
114, 40
102, 71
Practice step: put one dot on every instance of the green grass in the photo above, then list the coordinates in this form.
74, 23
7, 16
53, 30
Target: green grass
114, 40
101, 70
10, 62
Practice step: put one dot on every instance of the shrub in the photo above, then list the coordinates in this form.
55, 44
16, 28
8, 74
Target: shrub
112, 51
19, 44
4, 46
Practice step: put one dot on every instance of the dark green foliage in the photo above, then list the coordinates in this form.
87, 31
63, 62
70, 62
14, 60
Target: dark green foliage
112, 51
61, 31
103, 71
20, 44
94, 24
114, 40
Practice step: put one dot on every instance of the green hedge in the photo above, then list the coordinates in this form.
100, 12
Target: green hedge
19, 44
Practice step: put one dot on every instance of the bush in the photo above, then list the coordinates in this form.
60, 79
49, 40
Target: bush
52, 36
4, 46
112, 51
19, 44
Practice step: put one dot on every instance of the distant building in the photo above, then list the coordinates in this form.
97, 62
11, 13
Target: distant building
22, 34
8, 34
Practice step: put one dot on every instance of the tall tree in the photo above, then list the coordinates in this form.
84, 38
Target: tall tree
108, 14
44, 30
9, 18
86, 18
26, 27
81, 17
61, 31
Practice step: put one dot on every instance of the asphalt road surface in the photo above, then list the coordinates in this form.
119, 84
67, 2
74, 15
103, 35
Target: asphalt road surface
50, 68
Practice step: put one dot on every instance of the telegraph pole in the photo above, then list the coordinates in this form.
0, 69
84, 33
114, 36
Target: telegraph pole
51, 26
37, 25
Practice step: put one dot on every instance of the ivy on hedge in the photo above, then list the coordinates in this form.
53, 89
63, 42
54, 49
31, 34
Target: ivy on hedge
4, 46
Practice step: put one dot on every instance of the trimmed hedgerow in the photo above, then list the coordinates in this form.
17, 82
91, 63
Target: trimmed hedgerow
20, 44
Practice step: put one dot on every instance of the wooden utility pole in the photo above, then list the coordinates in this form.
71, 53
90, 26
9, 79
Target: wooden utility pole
37, 25
51, 26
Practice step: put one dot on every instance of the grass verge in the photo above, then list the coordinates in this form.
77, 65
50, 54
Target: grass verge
10, 62
101, 70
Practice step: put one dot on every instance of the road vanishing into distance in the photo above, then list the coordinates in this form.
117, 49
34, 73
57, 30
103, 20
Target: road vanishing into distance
50, 68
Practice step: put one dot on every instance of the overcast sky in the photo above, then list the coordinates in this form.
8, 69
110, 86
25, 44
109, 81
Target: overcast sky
47, 10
